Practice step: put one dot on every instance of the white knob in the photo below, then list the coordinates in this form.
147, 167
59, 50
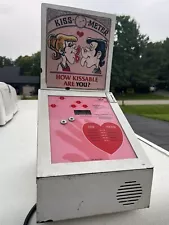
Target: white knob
71, 119
63, 122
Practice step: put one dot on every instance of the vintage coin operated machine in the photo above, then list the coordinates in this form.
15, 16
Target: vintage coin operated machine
89, 160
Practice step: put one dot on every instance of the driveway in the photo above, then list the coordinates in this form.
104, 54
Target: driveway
153, 130
144, 102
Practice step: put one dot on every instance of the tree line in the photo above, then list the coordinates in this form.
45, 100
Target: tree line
138, 63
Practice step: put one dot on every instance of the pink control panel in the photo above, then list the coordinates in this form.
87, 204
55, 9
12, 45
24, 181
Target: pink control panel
85, 129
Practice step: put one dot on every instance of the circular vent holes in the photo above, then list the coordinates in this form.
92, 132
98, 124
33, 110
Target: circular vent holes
129, 193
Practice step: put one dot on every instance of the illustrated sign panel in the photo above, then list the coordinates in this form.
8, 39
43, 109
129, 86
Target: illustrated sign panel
77, 47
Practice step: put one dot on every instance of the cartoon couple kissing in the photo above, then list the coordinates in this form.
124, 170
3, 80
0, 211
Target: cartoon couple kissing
66, 50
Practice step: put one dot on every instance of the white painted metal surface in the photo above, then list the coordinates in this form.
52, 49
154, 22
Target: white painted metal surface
18, 177
8, 103
85, 183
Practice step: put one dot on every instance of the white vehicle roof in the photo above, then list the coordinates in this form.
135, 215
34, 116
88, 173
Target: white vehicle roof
8, 103
18, 177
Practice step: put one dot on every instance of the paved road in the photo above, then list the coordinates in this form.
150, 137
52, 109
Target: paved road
145, 102
153, 130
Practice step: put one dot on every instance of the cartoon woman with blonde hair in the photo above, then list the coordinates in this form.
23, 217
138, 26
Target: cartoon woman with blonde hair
64, 47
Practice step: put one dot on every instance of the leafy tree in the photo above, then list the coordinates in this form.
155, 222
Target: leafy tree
163, 73
128, 49
35, 70
151, 62
25, 64
30, 65
4, 61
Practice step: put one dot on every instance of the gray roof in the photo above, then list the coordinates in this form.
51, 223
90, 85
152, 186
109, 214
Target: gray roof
11, 74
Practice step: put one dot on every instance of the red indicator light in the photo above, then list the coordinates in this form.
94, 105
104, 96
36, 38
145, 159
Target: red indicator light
73, 106
85, 106
53, 105
78, 102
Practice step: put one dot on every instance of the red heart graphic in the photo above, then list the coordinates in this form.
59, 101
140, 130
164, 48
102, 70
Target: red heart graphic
77, 58
80, 34
108, 137
78, 50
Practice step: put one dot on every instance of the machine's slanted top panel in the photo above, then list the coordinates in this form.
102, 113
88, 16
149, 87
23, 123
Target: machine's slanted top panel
85, 129
78, 49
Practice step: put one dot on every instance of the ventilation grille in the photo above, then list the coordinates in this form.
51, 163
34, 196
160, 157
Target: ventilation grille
129, 193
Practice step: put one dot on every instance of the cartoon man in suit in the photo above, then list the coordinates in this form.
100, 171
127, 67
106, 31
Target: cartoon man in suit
94, 54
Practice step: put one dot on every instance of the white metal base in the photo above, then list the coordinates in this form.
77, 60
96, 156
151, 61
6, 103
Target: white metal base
83, 189
68, 197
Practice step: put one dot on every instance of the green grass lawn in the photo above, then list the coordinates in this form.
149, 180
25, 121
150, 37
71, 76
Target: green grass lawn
160, 112
149, 96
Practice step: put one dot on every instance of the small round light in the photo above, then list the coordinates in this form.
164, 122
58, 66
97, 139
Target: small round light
53, 105
85, 106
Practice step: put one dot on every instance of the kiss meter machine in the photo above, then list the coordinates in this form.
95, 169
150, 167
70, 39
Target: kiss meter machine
89, 159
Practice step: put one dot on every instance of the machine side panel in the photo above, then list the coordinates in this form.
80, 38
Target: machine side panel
68, 197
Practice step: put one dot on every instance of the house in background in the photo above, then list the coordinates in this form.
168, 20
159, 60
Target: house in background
27, 85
